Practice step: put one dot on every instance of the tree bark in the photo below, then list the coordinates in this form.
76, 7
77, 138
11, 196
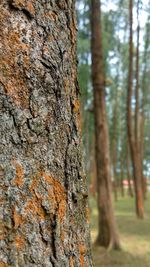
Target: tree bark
44, 212
135, 153
130, 189
107, 236
142, 122
114, 147
93, 181
138, 130
122, 173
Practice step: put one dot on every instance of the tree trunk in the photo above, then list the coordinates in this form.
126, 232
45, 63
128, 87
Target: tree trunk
122, 174
107, 236
93, 180
138, 130
135, 153
142, 122
44, 213
114, 148
130, 190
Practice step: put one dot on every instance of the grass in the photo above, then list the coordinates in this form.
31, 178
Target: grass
134, 236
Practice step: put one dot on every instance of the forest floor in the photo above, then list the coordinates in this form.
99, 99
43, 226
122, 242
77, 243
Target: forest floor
134, 236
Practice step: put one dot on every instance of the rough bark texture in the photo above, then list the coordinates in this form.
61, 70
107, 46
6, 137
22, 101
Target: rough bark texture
107, 236
44, 213
135, 153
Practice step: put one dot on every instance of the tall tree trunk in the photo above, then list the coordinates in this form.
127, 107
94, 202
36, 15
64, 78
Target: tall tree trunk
44, 213
145, 61
138, 134
122, 173
135, 155
130, 189
114, 148
107, 236
142, 122
93, 182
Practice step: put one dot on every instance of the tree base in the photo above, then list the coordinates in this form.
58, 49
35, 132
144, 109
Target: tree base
112, 245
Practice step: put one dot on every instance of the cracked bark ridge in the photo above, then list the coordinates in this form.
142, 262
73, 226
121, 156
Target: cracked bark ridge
44, 210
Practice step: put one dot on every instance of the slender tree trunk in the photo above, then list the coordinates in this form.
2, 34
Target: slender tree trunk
138, 134
44, 213
115, 187
107, 236
122, 176
93, 184
122, 186
114, 149
130, 189
135, 153
142, 122
93, 178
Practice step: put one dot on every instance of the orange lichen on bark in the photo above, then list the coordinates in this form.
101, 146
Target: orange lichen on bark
71, 263
59, 195
17, 218
62, 209
30, 8
52, 15
12, 77
79, 123
73, 30
19, 179
62, 236
52, 199
55, 195
23, 4
87, 215
2, 264
34, 183
19, 242
76, 106
33, 207
82, 251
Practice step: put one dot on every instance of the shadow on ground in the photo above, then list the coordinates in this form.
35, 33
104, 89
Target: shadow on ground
118, 259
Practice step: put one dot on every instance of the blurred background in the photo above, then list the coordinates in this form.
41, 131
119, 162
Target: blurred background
115, 24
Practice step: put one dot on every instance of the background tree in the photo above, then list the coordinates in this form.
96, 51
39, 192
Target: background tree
107, 232
115, 19
144, 88
133, 135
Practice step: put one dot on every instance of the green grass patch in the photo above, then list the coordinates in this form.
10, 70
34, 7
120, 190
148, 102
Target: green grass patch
134, 236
